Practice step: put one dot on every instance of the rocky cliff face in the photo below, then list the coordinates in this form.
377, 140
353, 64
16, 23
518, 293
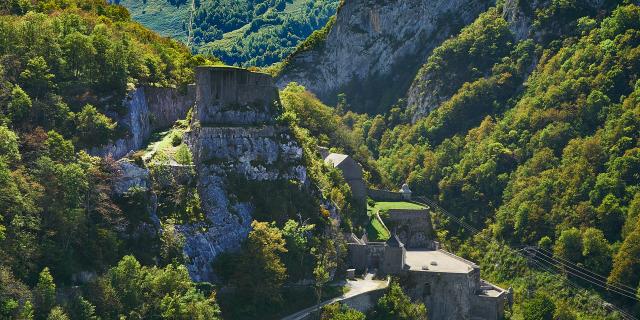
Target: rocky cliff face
148, 109
542, 21
521, 14
375, 48
234, 137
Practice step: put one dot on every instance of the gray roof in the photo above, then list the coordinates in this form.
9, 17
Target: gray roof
394, 241
335, 158
353, 239
364, 238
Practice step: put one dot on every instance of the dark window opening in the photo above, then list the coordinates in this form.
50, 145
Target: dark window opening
427, 290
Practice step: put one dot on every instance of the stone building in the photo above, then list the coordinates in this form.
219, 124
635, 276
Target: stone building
449, 286
406, 192
384, 257
351, 171
233, 137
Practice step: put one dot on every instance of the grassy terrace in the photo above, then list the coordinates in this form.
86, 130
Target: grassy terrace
376, 231
167, 146
386, 206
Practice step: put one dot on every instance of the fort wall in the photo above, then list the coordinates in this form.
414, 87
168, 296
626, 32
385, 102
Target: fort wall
385, 195
414, 227
234, 96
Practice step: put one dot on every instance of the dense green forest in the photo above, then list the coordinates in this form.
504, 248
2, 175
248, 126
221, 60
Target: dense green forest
535, 142
65, 64
246, 33
70, 246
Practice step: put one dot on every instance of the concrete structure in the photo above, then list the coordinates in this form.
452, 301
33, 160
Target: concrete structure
406, 192
412, 226
385, 257
352, 172
395, 256
351, 274
233, 137
384, 195
233, 96
448, 285
451, 287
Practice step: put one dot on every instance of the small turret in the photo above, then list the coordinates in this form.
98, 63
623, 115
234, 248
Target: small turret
406, 192
394, 255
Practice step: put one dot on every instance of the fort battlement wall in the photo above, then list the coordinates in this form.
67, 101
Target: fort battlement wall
413, 227
234, 137
233, 96
384, 195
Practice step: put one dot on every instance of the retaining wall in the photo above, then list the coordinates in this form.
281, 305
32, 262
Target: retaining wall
384, 195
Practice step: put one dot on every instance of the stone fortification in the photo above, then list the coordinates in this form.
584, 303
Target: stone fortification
233, 136
413, 227
384, 195
232, 96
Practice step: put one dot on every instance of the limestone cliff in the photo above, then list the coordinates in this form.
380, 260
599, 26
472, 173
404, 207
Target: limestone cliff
521, 15
375, 48
234, 138
148, 109
541, 21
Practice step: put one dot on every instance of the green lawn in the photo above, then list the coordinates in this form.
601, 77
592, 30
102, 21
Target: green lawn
168, 146
376, 231
385, 206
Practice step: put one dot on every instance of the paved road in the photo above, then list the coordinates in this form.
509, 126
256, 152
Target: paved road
355, 288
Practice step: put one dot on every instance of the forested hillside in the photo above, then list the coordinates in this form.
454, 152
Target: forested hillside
65, 64
525, 124
531, 134
247, 33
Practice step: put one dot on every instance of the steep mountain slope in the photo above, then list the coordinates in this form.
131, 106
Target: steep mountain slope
66, 67
471, 54
374, 48
88, 236
169, 20
547, 157
248, 32
530, 133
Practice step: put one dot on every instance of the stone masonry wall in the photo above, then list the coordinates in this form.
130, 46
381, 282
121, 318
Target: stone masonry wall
233, 96
413, 227
447, 296
384, 195
233, 136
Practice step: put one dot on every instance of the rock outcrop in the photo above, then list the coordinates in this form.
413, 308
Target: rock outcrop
148, 109
520, 15
375, 48
234, 137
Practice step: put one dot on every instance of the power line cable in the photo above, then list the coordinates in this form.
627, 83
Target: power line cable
599, 284
431, 203
606, 304
574, 269
588, 271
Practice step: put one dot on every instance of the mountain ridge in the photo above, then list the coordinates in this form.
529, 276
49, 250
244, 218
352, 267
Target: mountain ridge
373, 49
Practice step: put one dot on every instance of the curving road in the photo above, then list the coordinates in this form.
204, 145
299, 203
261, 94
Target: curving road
356, 287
